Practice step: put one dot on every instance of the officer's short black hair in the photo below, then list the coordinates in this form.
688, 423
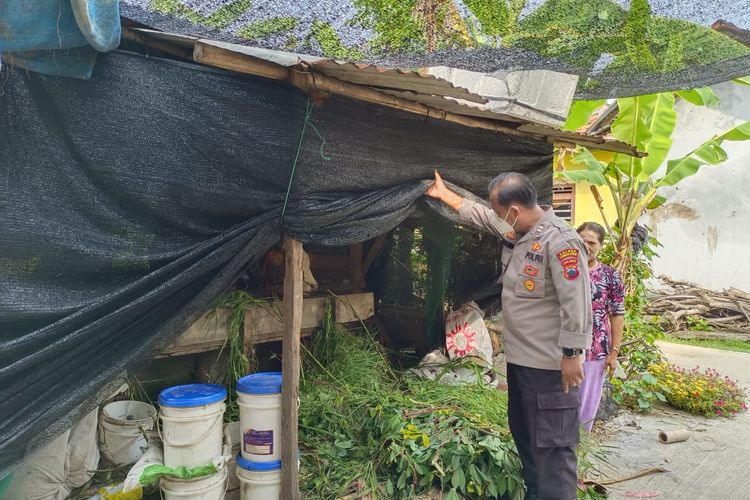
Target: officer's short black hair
513, 187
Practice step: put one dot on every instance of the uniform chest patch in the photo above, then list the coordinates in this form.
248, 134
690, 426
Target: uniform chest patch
536, 246
530, 285
569, 260
535, 257
530, 270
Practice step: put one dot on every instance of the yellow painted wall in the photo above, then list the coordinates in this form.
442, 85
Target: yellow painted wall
585, 208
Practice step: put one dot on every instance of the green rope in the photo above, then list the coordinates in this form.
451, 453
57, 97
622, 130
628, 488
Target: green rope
308, 114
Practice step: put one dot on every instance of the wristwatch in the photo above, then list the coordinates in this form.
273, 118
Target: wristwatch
571, 353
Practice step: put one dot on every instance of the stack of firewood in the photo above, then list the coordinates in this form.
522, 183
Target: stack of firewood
688, 307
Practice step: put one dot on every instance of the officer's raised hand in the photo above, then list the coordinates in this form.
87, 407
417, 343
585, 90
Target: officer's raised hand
439, 191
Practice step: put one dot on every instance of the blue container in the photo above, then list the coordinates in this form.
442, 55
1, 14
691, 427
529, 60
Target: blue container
258, 466
192, 395
260, 384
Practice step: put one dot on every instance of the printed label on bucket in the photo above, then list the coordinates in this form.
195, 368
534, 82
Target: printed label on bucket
258, 442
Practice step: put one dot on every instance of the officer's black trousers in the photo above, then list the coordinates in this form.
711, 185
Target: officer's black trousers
545, 424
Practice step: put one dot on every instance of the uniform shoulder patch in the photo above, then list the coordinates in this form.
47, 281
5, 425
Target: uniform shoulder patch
568, 258
530, 270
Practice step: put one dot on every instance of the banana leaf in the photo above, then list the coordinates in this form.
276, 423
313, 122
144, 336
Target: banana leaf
700, 97
593, 172
663, 120
580, 112
708, 153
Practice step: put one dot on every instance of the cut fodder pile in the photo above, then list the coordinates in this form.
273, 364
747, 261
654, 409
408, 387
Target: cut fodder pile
370, 432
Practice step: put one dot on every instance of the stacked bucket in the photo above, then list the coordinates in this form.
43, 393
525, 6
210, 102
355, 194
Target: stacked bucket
192, 432
259, 460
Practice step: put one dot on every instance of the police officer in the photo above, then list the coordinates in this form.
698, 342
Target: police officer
546, 301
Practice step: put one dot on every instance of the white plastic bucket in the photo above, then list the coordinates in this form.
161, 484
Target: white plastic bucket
259, 399
259, 480
211, 487
122, 428
192, 419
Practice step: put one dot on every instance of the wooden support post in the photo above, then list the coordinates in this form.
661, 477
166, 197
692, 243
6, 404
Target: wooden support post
290, 367
355, 267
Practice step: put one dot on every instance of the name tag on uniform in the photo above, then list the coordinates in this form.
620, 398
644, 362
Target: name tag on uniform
535, 257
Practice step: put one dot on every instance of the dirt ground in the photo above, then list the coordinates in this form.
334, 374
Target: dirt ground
713, 464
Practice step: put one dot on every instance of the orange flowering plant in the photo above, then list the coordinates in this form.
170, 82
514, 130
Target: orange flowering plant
705, 392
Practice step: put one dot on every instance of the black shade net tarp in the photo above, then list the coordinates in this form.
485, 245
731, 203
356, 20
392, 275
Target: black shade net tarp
132, 200
618, 47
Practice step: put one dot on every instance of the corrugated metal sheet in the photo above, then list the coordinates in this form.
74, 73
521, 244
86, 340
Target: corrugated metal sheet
360, 74
415, 86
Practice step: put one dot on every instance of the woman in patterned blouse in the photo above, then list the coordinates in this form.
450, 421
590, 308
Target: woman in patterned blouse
608, 307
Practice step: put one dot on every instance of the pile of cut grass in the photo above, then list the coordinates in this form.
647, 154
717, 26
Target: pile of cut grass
366, 429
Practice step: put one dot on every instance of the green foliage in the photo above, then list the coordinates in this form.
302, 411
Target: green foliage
219, 20
708, 153
647, 122
704, 393
636, 24
239, 363
639, 390
726, 345
580, 112
698, 323
367, 430
267, 27
493, 15
330, 43
639, 393
700, 97
397, 30
573, 31
576, 32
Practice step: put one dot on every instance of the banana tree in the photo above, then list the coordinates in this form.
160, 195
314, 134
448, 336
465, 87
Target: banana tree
635, 183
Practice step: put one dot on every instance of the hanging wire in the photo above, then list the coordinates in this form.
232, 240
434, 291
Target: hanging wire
308, 114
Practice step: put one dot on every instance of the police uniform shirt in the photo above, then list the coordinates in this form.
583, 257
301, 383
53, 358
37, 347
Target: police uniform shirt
546, 292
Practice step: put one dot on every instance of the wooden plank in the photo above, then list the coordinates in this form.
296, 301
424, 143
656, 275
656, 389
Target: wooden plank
354, 307
290, 368
355, 267
242, 63
326, 263
263, 325
375, 249
206, 334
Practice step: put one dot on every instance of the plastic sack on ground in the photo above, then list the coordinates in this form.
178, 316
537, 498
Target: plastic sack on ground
152, 456
117, 492
66, 463
466, 333
470, 370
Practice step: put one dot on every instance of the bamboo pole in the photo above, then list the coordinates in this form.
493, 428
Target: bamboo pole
166, 47
305, 78
290, 367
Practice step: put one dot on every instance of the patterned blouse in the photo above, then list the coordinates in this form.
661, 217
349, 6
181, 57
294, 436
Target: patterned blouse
608, 299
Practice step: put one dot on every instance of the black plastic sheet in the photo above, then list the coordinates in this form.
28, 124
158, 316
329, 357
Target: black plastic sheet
130, 201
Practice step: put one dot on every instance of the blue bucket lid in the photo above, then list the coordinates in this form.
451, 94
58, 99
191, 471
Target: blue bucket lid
260, 383
259, 466
190, 395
